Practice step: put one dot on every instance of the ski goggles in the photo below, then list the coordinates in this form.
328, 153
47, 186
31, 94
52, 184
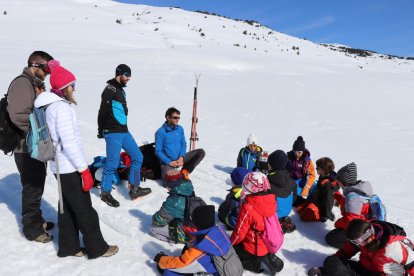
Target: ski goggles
363, 240
42, 66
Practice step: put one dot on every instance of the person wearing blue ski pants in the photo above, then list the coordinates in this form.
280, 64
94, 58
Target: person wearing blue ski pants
114, 143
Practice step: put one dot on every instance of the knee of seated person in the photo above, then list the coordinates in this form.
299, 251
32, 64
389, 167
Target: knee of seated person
331, 262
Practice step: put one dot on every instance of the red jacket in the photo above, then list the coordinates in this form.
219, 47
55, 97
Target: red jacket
342, 223
389, 259
250, 222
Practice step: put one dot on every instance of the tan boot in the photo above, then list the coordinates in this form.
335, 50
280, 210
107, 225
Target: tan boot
44, 238
112, 250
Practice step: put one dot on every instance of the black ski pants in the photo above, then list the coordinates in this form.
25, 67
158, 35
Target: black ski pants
334, 266
33, 176
79, 215
336, 238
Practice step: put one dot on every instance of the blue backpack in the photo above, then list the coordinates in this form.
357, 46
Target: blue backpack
376, 206
39, 142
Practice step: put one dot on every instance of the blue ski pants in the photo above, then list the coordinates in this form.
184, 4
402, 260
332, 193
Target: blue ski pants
114, 143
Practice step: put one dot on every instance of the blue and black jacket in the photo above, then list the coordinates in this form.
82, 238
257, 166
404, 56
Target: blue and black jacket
170, 143
113, 112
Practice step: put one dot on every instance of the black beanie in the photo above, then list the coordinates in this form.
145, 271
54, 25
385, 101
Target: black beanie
278, 160
122, 69
299, 144
203, 217
347, 174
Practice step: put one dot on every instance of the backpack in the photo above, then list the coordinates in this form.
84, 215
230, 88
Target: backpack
190, 204
229, 264
9, 133
39, 142
273, 234
229, 209
376, 207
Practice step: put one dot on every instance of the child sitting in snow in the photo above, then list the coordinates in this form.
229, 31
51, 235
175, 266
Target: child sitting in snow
257, 204
301, 169
352, 205
167, 222
197, 256
229, 209
318, 206
283, 187
249, 156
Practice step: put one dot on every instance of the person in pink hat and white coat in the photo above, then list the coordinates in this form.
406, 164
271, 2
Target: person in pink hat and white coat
76, 180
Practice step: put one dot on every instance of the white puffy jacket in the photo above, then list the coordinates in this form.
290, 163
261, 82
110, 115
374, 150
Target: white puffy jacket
64, 131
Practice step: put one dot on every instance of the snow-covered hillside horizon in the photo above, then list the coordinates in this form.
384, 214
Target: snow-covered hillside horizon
253, 80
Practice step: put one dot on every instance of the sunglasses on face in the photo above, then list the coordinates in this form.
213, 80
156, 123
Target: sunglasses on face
363, 240
298, 151
252, 145
41, 66
175, 117
126, 74
73, 86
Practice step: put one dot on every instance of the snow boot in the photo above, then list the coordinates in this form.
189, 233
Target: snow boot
108, 199
48, 225
112, 250
315, 271
44, 238
273, 263
136, 191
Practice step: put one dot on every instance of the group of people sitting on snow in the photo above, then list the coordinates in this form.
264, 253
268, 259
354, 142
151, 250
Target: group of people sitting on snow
270, 185
256, 210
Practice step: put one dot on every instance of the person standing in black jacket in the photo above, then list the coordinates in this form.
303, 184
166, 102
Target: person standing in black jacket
112, 125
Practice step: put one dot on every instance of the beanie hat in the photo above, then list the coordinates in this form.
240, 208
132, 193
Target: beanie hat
347, 175
203, 217
263, 162
251, 139
238, 174
299, 144
254, 182
59, 77
173, 179
278, 160
122, 69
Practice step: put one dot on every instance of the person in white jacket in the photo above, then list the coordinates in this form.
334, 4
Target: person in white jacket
76, 180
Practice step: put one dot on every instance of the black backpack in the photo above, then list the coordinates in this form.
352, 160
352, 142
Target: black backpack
191, 203
10, 135
151, 167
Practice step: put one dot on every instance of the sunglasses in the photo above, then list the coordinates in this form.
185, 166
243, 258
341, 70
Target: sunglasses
363, 240
126, 74
175, 117
73, 86
253, 145
41, 66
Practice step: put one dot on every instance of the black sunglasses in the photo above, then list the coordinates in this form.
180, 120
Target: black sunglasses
41, 66
126, 74
175, 117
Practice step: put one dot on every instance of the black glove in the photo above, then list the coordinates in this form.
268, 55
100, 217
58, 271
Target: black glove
100, 136
158, 257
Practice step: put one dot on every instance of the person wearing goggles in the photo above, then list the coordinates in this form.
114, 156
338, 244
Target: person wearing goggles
384, 250
21, 96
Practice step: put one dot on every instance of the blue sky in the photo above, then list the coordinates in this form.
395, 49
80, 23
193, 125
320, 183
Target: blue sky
384, 26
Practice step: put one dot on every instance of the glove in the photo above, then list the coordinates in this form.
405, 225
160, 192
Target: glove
100, 136
87, 180
157, 257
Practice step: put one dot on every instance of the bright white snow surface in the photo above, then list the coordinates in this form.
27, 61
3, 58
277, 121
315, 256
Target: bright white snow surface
346, 108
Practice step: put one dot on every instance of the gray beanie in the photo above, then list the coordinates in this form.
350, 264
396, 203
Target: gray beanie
347, 174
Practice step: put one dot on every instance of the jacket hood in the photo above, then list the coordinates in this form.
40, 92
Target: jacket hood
215, 241
281, 184
264, 204
46, 98
361, 187
185, 189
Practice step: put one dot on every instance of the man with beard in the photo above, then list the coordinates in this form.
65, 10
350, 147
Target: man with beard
112, 126
21, 95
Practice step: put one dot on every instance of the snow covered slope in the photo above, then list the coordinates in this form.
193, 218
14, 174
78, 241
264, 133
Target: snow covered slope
253, 80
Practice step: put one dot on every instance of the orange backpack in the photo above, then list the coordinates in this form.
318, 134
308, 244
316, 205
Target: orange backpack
308, 212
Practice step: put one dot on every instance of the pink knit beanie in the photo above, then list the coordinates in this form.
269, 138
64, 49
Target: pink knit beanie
59, 77
254, 182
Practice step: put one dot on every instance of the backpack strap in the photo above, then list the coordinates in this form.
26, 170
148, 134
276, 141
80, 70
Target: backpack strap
409, 244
